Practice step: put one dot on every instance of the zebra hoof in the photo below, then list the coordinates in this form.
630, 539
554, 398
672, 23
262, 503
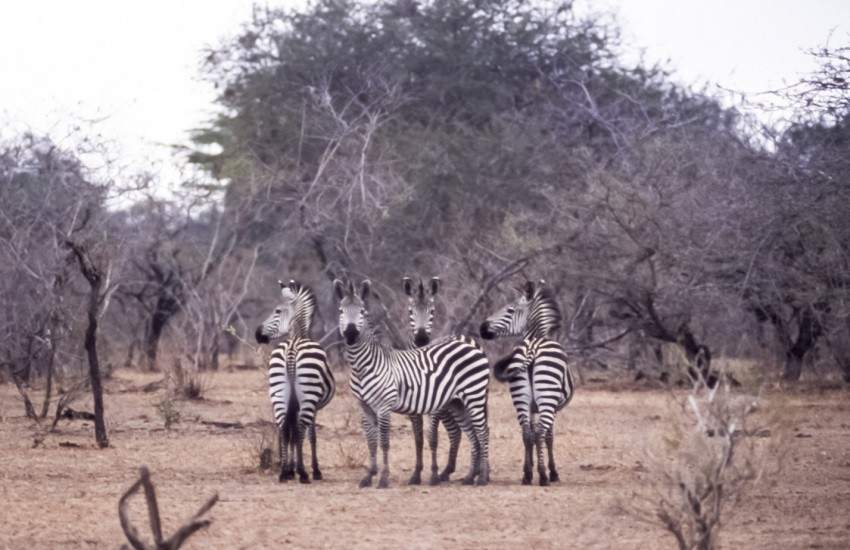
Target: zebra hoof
317, 475
468, 480
445, 475
304, 479
383, 484
544, 481
366, 482
435, 480
526, 479
282, 478
482, 481
553, 476
416, 479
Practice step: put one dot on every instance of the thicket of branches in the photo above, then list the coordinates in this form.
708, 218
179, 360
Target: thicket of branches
482, 142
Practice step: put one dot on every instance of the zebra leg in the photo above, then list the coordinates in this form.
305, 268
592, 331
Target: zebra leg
538, 443
528, 443
302, 428
454, 433
477, 413
384, 438
550, 441
369, 422
317, 474
462, 419
283, 444
287, 460
433, 441
418, 437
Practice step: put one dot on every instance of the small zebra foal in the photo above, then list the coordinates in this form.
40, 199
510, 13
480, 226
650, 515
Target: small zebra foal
536, 370
300, 380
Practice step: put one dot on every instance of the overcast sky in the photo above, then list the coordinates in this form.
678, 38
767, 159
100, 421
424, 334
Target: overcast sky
135, 64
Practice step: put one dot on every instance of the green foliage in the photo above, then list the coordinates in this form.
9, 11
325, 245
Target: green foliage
168, 410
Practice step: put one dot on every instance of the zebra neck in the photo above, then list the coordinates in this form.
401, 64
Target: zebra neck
535, 333
366, 354
301, 323
298, 332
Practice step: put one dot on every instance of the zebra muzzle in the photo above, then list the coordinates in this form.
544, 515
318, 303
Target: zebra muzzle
350, 333
421, 338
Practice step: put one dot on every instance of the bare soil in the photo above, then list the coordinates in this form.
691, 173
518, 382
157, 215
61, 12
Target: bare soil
64, 492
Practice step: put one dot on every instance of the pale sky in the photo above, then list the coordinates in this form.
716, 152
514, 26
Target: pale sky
136, 64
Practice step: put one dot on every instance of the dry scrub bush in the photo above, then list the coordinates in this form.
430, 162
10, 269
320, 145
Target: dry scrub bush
719, 444
351, 447
184, 380
261, 446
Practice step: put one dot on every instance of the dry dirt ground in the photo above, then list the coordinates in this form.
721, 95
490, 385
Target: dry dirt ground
56, 496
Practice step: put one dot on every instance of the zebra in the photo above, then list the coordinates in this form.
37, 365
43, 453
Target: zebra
300, 380
420, 307
541, 384
451, 376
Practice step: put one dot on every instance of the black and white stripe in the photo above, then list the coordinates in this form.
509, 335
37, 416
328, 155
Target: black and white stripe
420, 308
536, 370
450, 376
300, 380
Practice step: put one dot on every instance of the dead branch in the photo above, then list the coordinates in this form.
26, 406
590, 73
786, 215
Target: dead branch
178, 538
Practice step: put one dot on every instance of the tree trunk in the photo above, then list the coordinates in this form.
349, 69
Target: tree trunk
48, 385
165, 309
93, 275
793, 367
699, 357
807, 337
214, 349
94, 364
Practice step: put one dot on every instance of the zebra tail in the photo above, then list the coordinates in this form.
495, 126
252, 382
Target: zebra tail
500, 367
293, 407
569, 386
290, 423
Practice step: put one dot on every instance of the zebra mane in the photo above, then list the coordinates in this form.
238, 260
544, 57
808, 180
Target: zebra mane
304, 306
545, 317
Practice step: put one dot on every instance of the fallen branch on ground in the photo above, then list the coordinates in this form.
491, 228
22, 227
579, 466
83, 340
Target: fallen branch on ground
178, 538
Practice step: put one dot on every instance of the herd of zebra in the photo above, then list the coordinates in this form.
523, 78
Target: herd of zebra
447, 379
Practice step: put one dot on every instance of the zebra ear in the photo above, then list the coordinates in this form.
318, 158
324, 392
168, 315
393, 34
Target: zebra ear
528, 291
339, 288
365, 289
407, 286
435, 285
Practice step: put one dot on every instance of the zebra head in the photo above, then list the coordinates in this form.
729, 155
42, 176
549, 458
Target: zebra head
352, 309
534, 314
420, 306
293, 315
